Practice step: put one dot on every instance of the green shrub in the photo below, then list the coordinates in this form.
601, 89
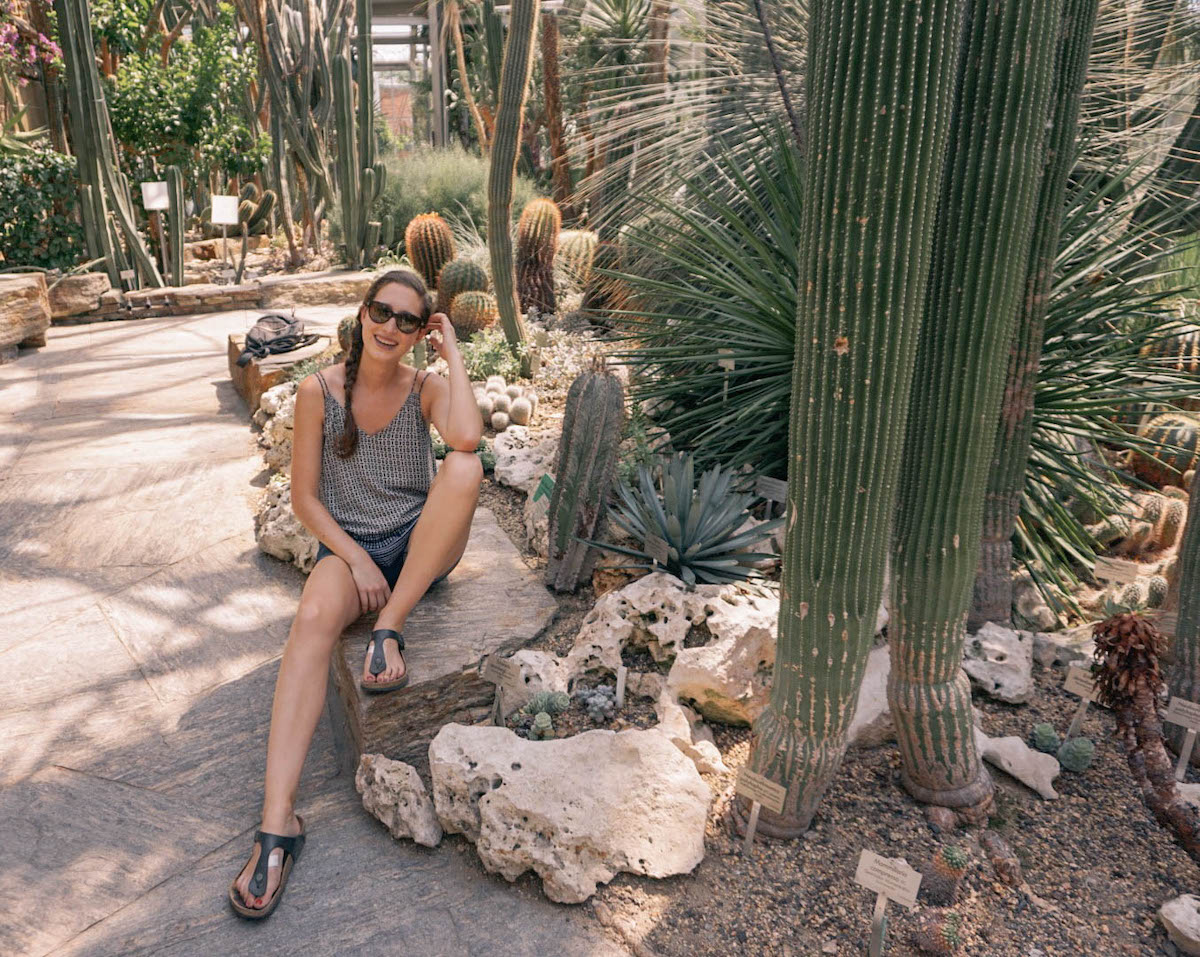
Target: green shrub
38, 193
488, 353
451, 182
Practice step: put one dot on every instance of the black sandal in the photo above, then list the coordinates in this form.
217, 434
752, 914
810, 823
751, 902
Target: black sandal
378, 663
291, 847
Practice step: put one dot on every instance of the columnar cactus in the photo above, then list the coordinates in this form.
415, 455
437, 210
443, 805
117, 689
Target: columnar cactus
502, 170
471, 312
537, 242
459, 275
984, 233
993, 598
587, 460
872, 175
429, 244
175, 227
1184, 675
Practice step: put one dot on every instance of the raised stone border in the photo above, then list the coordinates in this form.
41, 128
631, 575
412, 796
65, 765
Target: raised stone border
90, 298
24, 312
258, 375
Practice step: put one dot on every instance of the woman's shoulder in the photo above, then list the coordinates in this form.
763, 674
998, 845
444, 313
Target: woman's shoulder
334, 378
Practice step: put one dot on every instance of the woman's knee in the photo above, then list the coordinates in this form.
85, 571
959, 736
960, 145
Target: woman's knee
317, 625
462, 468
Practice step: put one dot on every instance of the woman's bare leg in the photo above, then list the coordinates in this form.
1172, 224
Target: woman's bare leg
328, 604
437, 542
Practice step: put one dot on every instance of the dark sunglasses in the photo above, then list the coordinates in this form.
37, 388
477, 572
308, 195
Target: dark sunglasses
381, 312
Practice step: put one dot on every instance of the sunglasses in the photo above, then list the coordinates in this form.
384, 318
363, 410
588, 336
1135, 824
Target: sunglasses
381, 312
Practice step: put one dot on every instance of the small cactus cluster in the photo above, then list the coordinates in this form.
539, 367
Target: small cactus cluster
255, 207
1076, 754
537, 241
429, 244
502, 405
1149, 591
471, 312
942, 877
550, 702
600, 702
1044, 738
939, 933
542, 727
1155, 522
457, 276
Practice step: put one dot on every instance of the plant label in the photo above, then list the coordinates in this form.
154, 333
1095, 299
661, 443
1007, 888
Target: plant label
501, 671
622, 676
726, 361
772, 489
756, 787
545, 487
1080, 682
1117, 570
656, 548
889, 876
1184, 713
154, 195
128, 274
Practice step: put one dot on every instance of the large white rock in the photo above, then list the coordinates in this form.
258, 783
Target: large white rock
1063, 647
576, 811
522, 460
1181, 918
999, 662
278, 531
394, 793
276, 437
1014, 756
75, 295
24, 309
872, 724
538, 671
687, 732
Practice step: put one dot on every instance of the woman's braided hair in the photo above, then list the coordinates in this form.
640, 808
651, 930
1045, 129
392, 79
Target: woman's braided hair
348, 441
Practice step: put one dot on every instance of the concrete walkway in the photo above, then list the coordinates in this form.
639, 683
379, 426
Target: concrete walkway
140, 632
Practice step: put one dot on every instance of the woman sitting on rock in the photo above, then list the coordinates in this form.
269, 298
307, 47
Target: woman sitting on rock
363, 483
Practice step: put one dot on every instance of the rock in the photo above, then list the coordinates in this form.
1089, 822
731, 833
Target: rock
521, 459
75, 295
577, 811
942, 820
872, 723
314, 289
276, 437
394, 793
1012, 755
24, 309
1063, 647
1190, 793
1004, 862
1031, 608
687, 732
271, 400
1181, 918
540, 671
999, 661
278, 531
537, 522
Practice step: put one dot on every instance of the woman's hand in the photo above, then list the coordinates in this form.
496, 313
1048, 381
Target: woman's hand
445, 341
373, 591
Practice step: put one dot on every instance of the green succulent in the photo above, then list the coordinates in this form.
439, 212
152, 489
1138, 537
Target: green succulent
700, 525
548, 702
1045, 738
1076, 754
543, 726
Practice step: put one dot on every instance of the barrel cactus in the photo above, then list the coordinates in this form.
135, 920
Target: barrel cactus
1156, 591
1044, 738
1179, 352
430, 245
938, 933
537, 241
940, 880
1175, 448
587, 460
471, 312
1076, 754
459, 275
576, 247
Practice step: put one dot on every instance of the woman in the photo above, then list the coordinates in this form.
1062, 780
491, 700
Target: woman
363, 483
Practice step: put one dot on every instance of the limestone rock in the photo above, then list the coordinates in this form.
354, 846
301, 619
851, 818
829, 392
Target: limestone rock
394, 793
276, 437
1181, 918
537, 521
1063, 647
271, 400
687, 732
75, 295
278, 531
540, 671
314, 289
872, 724
577, 811
522, 459
1014, 756
1031, 609
999, 661
24, 308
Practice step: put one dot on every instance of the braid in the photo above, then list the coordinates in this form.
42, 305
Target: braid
348, 440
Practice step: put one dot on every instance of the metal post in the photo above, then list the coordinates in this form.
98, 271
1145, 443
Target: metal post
437, 71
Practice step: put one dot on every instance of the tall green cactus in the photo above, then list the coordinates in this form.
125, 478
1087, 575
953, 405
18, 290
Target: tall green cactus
1184, 674
176, 224
502, 170
880, 82
587, 459
993, 595
981, 248
537, 242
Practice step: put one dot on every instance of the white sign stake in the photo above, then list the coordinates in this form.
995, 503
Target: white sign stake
500, 672
1079, 682
762, 792
622, 672
892, 879
1185, 713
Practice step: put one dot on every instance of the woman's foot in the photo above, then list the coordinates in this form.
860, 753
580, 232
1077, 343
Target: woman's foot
395, 669
290, 828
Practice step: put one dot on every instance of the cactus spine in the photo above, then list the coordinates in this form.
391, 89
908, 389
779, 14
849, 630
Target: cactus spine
429, 244
175, 228
985, 228
993, 597
1184, 674
871, 176
587, 460
537, 242
506, 137
459, 275
471, 312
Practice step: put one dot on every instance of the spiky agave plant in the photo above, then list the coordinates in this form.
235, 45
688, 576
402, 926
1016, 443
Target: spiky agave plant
701, 526
1130, 681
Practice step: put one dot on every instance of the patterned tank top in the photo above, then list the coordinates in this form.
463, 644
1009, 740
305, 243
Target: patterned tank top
377, 493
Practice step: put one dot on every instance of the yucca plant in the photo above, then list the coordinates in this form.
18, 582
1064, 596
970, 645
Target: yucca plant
701, 525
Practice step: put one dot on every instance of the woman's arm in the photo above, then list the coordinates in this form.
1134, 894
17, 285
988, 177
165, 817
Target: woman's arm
452, 406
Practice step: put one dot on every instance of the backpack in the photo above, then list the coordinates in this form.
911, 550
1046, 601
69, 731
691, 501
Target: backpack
272, 334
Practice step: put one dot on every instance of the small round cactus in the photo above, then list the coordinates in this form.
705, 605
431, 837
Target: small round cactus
1152, 508
1133, 595
521, 411
501, 403
473, 311
1171, 524
495, 383
1156, 591
1076, 754
1044, 738
552, 702
499, 421
485, 406
942, 876
515, 391
543, 726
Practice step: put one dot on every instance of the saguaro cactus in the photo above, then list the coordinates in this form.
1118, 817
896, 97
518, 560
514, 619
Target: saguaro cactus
993, 599
537, 242
984, 228
587, 458
881, 80
1184, 675
502, 170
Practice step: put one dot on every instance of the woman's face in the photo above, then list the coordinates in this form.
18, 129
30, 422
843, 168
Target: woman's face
382, 340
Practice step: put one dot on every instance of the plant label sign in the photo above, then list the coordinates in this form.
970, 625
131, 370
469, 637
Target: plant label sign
762, 792
545, 487
772, 489
726, 361
1117, 570
1187, 714
1080, 682
128, 274
890, 876
656, 548
501, 671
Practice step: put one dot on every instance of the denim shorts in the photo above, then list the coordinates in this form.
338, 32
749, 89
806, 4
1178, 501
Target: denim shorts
394, 545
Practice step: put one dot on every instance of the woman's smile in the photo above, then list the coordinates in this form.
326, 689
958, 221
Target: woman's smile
386, 343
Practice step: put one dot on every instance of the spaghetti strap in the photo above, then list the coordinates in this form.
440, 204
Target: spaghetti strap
324, 387
424, 376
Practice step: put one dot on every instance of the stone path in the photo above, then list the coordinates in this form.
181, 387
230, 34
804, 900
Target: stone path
140, 631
